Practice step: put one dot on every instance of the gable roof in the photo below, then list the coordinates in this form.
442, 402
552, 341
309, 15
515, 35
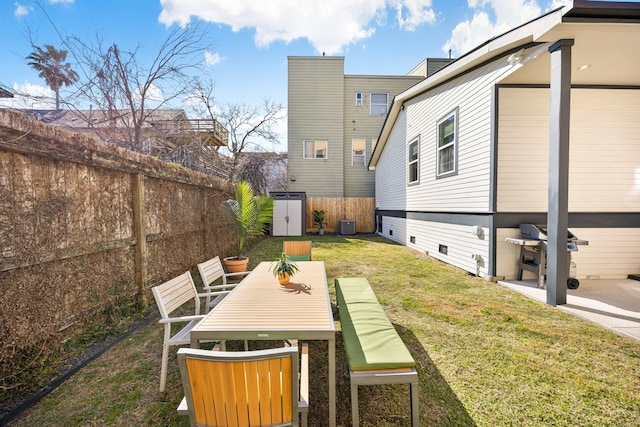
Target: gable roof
606, 34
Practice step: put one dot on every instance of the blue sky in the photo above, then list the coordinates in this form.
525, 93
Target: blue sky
250, 40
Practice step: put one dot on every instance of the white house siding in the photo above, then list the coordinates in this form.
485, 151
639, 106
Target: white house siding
604, 165
461, 242
394, 229
612, 253
391, 171
507, 254
468, 191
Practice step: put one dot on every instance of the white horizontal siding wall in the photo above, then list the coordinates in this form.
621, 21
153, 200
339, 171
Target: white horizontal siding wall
391, 171
507, 254
460, 241
394, 229
612, 253
468, 191
604, 165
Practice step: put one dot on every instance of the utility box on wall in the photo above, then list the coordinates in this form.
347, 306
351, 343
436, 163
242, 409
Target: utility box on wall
289, 209
347, 227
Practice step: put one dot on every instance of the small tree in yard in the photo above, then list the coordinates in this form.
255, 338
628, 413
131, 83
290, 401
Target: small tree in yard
250, 214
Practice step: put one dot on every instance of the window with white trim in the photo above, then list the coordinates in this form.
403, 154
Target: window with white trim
447, 144
315, 149
358, 154
413, 152
358, 99
379, 102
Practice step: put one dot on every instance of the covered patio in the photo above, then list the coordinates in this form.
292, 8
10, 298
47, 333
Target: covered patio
613, 304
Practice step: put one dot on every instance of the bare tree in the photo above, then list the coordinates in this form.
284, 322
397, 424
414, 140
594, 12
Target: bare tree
265, 171
116, 82
251, 128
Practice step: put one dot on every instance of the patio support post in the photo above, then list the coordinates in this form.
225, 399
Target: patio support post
558, 215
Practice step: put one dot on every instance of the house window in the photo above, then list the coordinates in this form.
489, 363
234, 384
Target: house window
358, 99
357, 152
315, 149
447, 144
414, 161
379, 104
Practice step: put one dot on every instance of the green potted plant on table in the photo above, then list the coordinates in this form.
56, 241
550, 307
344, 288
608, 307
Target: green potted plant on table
250, 214
284, 268
318, 216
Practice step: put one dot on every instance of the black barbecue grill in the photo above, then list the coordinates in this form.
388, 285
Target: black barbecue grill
533, 252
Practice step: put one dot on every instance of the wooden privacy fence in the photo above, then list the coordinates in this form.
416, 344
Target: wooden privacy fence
84, 224
359, 209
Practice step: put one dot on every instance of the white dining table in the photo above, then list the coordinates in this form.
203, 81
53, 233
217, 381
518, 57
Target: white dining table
259, 308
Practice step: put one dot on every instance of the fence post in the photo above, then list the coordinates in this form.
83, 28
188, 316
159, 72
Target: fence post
141, 239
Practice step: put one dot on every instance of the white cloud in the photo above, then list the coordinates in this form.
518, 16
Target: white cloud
153, 97
21, 10
507, 15
328, 25
413, 13
212, 59
27, 95
557, 3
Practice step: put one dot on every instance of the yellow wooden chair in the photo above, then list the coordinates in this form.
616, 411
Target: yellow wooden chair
297, 250
245, 388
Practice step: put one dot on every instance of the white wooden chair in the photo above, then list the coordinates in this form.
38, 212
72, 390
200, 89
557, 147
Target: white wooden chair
212, 271
170, 296
246, 388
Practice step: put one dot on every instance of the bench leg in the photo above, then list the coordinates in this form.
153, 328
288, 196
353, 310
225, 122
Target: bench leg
355, 416
413, 387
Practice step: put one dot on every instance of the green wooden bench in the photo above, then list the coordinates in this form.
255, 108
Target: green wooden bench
375, 352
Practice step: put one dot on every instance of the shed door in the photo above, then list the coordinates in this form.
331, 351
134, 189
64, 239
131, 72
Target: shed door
287, 218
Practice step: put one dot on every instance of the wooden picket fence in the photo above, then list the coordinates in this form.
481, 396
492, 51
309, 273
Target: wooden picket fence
359, 209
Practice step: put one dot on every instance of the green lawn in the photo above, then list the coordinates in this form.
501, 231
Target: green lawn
486, 356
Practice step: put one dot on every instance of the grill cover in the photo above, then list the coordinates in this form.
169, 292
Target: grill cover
539, 232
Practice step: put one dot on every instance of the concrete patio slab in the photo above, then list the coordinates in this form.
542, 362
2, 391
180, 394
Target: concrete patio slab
613, 304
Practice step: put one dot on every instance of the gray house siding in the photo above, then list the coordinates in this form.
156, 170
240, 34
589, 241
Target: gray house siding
315, 112
322, 106
360, 124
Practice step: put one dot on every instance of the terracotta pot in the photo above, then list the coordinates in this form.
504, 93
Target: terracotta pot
235, 265
283, 278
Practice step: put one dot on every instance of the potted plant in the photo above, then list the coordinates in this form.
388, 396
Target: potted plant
318, 216
284, 268
250, 214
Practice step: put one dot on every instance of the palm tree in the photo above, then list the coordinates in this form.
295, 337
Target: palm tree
49, 62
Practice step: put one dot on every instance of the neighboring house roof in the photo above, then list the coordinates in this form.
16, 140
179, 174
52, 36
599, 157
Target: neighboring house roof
4, 93
609, 50
100, 118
